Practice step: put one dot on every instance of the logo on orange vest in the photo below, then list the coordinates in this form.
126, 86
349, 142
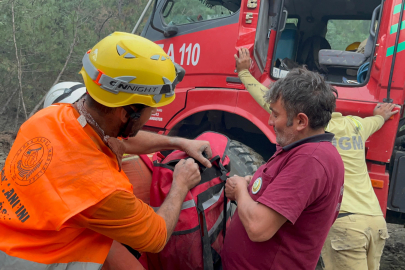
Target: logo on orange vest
31, 161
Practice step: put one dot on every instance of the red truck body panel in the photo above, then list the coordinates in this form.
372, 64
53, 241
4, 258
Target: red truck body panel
207, 57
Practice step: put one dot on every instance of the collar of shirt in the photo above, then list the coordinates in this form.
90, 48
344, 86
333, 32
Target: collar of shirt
325, 137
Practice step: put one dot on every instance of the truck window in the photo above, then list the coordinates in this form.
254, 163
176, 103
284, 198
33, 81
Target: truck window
342, 33
177, 12
293, 21
330, 37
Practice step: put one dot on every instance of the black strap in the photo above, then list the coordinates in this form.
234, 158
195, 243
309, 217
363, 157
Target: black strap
165, 153
164, 165
132, 113
340, 215
126, 130
68, 92
225, 216
206, 244
187, 231
216, 258
207, 174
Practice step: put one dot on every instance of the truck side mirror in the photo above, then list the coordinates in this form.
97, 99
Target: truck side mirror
180, 72
170, 31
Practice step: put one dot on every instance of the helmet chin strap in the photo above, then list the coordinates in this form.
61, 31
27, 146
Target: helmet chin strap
133, 118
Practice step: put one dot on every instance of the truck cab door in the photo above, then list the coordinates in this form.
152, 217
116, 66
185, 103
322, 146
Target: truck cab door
270, 22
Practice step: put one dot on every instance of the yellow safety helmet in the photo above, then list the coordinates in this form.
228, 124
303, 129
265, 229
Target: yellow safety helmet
124, 69
353, 47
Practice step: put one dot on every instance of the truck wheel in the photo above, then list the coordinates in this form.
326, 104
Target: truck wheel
244, 160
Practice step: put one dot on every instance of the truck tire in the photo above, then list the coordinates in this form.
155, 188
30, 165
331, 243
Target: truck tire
244, 160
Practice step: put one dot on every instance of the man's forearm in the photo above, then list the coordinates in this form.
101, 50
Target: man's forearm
255, 88
170, 209
259, 221
148, 142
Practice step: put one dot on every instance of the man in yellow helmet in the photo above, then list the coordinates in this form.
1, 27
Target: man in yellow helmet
64, 197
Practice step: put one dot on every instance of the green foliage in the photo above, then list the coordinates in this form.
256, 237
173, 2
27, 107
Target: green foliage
44, 32
179, 12
342, 33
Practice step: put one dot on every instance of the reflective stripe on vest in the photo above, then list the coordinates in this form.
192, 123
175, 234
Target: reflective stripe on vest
13, 263
185, 205
191, 203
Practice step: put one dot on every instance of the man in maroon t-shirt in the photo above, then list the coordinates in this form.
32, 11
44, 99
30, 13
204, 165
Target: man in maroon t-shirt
285, 213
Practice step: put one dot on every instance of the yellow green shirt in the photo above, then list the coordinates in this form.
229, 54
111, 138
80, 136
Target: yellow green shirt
351, 133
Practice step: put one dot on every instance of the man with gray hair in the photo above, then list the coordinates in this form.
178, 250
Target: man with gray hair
285, 212
356, 240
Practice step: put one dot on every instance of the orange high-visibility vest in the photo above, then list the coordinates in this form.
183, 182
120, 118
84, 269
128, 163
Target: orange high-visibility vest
55, 169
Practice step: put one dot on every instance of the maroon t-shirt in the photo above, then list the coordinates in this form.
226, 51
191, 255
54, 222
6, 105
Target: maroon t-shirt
303, 182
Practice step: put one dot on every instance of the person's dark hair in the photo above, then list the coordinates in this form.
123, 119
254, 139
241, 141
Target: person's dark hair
304, 91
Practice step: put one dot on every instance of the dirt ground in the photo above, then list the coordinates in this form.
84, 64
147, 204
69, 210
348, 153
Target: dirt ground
394, 252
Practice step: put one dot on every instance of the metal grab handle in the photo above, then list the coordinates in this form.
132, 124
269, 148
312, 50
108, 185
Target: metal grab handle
373, 20
285, 21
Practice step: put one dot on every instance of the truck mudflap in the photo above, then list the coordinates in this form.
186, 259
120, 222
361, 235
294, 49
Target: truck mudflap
396, 196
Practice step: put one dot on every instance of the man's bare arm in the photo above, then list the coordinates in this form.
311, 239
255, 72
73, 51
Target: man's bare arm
148, 142
186, 175
170, 209
259, 221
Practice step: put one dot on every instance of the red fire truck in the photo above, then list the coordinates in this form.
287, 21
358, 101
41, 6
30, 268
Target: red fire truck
203, 35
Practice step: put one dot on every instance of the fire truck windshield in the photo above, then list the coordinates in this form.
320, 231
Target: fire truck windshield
177, 12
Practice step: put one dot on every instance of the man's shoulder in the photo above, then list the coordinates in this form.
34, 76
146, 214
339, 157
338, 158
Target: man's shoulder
326, 152
315, 154
312, 149
322, 153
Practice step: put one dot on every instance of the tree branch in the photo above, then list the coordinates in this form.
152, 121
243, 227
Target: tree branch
72, 46
19, 72
3, 109
16, 116
99, 32
119, 2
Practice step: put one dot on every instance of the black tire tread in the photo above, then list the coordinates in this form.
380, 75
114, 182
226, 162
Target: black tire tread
241, 153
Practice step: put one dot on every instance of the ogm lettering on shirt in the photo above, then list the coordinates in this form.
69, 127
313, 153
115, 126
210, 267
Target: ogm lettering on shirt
11, 201
348, 143
31, 161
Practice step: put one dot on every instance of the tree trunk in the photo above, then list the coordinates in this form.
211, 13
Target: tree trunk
19, 70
